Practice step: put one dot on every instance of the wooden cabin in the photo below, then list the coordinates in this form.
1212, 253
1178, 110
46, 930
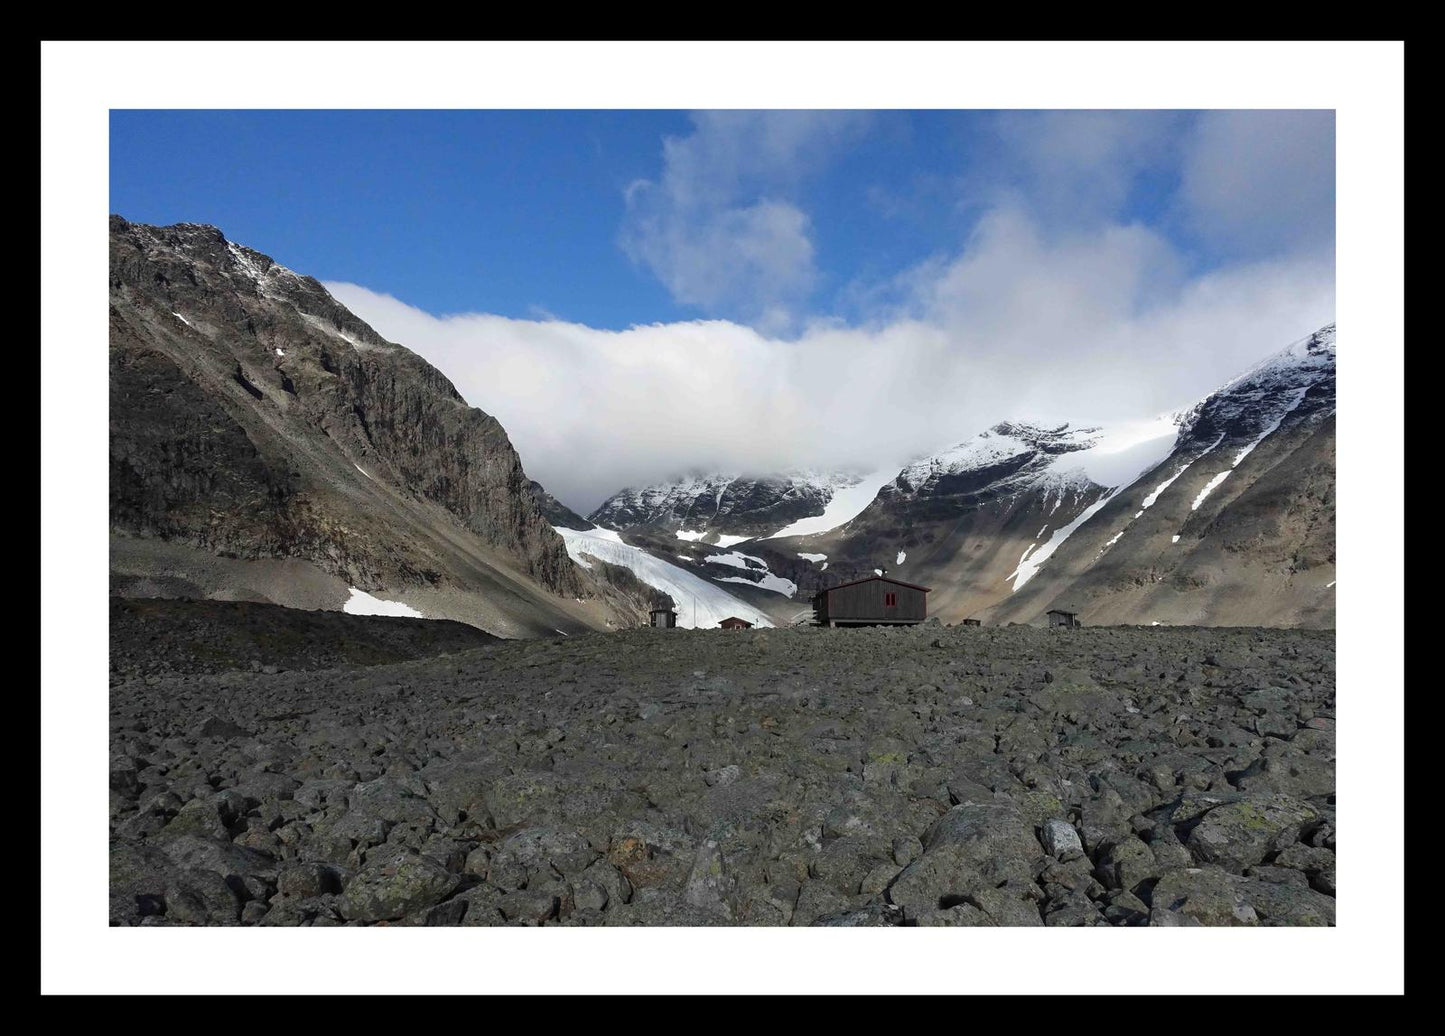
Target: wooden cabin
972, 622
874, 601
732, 622
1059, 617
662, 618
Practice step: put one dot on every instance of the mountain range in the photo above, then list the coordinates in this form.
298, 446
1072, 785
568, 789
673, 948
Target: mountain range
1218, 514
268, 445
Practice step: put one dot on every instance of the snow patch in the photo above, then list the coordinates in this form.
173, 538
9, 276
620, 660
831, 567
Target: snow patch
1174, 539
1148, 501
814, 558
362, 603
1029, 565
1123, 452
1299, 395
683, 534
700, 604
777, 584
359, 468
1210, 487
765, 579
899, 559
845, 505
1329, 584
280, 352
1295, 399
734, 559
728, 540
182, 319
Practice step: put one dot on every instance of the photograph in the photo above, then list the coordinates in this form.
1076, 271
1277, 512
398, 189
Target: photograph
678, 517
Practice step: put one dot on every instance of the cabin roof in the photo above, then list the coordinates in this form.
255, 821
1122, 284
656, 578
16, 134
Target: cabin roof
734, 618
655, 611
870, 579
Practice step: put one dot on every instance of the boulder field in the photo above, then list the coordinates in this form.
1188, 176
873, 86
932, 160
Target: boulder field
910, 776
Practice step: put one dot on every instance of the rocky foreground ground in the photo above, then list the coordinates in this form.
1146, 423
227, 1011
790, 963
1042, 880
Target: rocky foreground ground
932, 776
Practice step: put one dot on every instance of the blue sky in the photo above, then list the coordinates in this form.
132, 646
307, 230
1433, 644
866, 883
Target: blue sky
521, 213
1073, 264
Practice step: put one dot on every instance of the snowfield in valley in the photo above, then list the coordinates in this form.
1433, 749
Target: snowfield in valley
700, 604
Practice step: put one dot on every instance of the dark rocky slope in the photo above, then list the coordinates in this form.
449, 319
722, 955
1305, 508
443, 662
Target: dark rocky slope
930, 776
556, 512
255, 419
158, 635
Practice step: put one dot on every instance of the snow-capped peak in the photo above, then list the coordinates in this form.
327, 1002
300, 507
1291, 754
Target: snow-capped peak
722, 505
1263, 395
1027, 455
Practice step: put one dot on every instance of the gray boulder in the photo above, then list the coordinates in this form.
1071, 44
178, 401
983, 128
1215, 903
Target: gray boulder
1241, 834
392, 889
1061, 841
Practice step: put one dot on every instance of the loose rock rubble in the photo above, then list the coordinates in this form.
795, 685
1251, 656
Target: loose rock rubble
924, 776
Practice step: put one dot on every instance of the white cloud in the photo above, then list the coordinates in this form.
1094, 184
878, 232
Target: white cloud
1089, 326
759, 257
717, 227
1261, 181
1056, 308
1078, 166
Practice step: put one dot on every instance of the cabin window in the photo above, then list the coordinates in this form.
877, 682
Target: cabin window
890, 600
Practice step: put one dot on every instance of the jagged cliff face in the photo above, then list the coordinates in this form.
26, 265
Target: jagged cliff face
254, 418
556, 512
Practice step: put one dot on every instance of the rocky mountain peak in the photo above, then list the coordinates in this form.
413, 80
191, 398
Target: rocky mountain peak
725, 503
255, 417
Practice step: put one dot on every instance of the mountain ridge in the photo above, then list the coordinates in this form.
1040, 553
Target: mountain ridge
1012, 521
269, 445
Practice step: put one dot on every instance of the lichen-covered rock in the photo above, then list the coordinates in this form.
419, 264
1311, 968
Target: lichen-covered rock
393, 889
1127, 863
1288, 903
1200, 896
146, 883
1240, 834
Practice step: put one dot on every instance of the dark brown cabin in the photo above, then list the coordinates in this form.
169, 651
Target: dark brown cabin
875, 601
662, 618
734, 623
972, 622
1059, 617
